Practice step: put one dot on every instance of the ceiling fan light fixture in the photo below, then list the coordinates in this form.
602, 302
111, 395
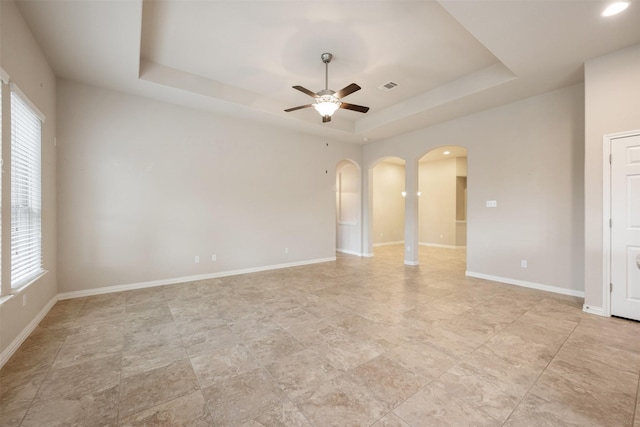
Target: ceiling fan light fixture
326, 101
615, 8
326, 105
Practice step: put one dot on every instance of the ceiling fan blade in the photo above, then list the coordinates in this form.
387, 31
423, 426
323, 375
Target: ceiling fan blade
347, 90
288, 110
306, 91
326, 119
358, 108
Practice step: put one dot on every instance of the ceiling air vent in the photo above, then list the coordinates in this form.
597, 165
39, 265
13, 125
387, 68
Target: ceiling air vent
388, 86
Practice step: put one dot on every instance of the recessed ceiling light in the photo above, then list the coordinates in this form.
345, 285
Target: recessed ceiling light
446, 153
615, 8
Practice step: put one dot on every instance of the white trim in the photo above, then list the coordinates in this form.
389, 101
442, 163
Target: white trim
23, 287
5, 298
14, 88
400, 242
599, 311
525, 284
368, 255
17, 342
412, 263
606, 216
606, 230
348, 252
184, 279
436, 245
4, 76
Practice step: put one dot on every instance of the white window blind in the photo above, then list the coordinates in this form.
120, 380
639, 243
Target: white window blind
26, 221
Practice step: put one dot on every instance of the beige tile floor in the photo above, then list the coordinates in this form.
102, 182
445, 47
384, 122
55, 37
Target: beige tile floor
357, 342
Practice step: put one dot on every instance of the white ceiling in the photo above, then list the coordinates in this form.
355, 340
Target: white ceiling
449, 58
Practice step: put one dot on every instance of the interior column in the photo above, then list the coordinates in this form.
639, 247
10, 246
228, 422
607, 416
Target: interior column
367, 212
411, 213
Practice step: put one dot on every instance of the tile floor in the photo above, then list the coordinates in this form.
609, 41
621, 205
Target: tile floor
357, 342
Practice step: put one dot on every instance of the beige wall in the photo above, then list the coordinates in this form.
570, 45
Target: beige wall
528, 157
437, 202
388, 204
144, 187
612, 105
26, 65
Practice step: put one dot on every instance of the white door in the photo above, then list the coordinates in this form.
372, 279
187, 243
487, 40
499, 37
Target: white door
625, 228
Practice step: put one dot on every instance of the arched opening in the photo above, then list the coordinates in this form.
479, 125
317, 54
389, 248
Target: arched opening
442, 205
387, 203
348, 204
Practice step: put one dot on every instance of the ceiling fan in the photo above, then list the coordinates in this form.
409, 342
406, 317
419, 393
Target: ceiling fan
326, 100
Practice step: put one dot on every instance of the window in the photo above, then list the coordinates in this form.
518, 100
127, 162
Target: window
26, 222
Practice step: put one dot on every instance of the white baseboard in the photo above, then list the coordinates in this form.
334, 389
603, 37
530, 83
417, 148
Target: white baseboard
532, 285
400, 242
598, 311
11, 349
436, 245
345, 251
368, 255
411, 262
184, 279
17, 342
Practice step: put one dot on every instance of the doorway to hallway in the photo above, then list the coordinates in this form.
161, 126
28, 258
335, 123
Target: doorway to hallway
442, 201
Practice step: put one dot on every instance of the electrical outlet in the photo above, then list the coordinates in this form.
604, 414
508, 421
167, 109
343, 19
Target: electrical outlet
442, 236
196, 259
213, 258
286, 250
523, 263
24, 300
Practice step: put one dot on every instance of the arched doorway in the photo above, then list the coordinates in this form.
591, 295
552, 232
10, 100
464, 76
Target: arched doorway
348, 208
442, 205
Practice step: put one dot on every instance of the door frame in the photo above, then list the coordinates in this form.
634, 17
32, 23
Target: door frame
606, 215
